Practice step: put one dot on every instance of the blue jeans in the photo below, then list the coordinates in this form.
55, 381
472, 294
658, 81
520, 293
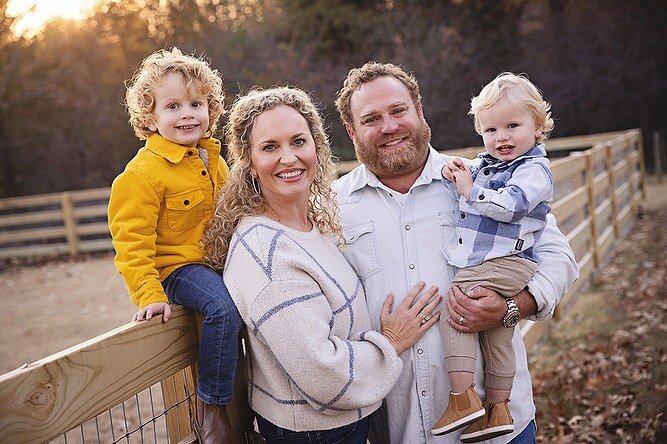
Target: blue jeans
527, 436
201, 289
354, 433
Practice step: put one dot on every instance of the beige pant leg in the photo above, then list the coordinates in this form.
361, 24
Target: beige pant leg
507, 276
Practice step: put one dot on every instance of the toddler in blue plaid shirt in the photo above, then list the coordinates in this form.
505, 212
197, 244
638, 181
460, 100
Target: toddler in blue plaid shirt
503, 206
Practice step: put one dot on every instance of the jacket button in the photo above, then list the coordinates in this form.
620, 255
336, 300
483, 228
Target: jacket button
481, 197
423, 392
203, 173
463, 215
460, 241
186, 202
486, 172
189, 153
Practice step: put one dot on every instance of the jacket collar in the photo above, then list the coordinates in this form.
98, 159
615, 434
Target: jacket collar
174, 152
362, 176
538, 150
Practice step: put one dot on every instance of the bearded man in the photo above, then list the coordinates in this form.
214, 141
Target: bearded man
396, 216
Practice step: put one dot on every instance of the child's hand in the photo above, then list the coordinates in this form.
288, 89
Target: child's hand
453, 166
463, 180
152, 309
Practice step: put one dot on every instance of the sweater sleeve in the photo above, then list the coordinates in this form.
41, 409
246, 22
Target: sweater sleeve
294, 319
133, 212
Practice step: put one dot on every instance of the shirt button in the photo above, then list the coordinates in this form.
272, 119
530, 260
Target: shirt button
186, 202
189, 153
420, 351
481, 197
407, 227
203, 173
411, 266
460, 241
423, 392
486, 172
463, 215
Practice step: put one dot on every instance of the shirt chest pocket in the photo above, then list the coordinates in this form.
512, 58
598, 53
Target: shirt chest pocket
448, 220
184, 210
361, 249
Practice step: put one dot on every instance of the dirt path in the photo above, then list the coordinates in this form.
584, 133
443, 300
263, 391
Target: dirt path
47, 308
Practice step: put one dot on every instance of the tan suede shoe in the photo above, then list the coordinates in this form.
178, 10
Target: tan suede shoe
497, 421
463, 409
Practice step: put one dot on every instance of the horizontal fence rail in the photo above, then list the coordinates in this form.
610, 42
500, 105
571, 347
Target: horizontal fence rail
77, 394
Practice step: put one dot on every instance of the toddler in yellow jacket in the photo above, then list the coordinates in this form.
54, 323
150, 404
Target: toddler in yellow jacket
158, 210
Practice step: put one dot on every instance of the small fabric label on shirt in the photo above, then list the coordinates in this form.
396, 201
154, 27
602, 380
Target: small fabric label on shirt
519, 244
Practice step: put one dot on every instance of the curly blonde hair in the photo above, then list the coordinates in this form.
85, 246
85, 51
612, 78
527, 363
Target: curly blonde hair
522, 93
371, 71
238, 198
140, 96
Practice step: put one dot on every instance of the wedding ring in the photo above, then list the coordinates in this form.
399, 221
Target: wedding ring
423, 317
461, 319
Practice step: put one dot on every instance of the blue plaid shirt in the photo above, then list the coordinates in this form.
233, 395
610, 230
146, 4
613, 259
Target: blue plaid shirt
506, 211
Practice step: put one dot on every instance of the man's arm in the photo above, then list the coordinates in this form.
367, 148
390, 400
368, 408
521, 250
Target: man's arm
483, 309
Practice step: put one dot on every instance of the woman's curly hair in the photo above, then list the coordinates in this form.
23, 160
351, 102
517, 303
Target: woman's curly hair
140, 95
238, 198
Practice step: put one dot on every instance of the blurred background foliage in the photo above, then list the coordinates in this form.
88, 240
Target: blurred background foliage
63, 126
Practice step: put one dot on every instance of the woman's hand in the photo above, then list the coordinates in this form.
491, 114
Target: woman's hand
152, 309
411, 319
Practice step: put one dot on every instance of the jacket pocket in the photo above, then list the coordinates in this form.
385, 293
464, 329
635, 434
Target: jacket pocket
185, 210
361, 249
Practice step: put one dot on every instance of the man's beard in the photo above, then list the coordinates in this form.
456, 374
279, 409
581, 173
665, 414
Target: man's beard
397, 162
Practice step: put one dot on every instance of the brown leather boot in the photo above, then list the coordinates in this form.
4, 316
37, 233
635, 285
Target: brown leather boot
211, 424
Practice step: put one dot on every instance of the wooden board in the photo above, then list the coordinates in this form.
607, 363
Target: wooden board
57, 393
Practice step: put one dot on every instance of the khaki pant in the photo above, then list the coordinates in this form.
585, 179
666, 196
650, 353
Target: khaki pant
507, 276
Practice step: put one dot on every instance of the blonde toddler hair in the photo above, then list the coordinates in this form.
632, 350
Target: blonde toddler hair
239, 198
522, 93
140, 96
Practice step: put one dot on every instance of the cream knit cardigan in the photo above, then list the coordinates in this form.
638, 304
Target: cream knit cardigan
314, 363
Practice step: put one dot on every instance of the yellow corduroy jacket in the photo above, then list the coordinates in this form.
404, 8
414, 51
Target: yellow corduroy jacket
158, 210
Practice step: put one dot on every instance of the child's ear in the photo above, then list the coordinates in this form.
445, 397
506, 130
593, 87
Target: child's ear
149, 121
538, 132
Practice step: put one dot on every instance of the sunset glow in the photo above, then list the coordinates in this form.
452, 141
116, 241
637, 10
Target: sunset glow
45, 10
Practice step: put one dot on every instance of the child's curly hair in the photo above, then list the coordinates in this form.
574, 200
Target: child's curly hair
140, 97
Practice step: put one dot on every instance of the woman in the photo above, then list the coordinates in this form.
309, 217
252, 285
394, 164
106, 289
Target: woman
316, 368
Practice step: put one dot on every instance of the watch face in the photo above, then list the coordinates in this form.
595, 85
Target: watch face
512, 319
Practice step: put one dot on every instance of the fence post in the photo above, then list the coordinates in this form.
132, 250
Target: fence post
612, 188
590, 179
657, 158
69, 221
642, 164
631, 172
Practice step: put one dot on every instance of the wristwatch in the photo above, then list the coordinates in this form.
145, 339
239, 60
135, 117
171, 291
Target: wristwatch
513, 316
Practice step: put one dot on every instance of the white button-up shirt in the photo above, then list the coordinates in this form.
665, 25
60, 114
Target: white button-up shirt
393, 242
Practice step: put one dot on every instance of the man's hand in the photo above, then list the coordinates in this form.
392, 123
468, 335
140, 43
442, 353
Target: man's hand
152, 309
481, 310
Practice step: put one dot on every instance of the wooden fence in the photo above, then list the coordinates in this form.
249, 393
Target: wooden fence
598, 187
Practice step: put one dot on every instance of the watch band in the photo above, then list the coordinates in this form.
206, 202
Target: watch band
513, 315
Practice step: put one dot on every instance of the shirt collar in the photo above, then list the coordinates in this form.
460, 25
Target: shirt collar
538, 150
174, 152
362, 176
